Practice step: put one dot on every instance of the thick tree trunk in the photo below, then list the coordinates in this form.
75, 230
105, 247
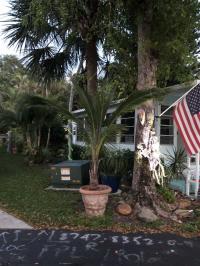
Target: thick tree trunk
143, 183
91, 66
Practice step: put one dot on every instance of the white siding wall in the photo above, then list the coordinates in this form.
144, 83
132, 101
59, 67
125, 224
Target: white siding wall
164, 149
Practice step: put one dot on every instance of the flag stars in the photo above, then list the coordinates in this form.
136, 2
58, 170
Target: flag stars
193, 100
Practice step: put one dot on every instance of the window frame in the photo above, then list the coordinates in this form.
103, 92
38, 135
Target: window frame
169, 126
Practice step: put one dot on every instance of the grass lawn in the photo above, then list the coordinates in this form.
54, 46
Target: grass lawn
23, 194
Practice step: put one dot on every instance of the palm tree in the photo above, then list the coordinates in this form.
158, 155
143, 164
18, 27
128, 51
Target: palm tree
99, 127
8, 120
31, 113
58, 34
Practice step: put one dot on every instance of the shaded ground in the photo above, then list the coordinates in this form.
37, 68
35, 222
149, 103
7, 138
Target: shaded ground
22, 194
28, 247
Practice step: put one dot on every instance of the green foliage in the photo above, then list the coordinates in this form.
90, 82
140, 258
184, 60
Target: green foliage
174, 42
117, 163
56, 34
197, 212
175, 163
8, 120
175, 39
167, 194
18, 140
100, 128
40, 122
80, 152
192, 227
154, 225
22, 193
14, 81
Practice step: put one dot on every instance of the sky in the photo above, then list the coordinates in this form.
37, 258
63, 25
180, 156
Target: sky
4, 49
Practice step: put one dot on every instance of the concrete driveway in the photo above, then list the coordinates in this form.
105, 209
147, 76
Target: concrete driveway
8, 221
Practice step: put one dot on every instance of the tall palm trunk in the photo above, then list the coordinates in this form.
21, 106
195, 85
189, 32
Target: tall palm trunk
39, 137
70, 107
91, 66
69, 138
48, 137
147, 66
28, 139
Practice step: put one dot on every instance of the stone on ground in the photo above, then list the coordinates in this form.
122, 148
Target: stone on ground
181, 213
124, 209
145, 214
184, 203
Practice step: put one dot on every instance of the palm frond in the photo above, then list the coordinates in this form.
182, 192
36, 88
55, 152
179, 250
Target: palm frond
8, 119
135, 99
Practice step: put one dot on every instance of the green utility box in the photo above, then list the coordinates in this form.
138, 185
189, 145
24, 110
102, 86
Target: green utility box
70, 173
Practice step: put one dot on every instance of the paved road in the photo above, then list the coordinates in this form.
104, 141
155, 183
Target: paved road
52, 248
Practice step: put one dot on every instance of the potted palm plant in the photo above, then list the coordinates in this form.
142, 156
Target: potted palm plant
99, 129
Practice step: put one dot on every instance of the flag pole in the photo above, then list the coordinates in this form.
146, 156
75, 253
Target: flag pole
179, 99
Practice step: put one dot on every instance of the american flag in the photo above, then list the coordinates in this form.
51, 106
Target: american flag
187, 118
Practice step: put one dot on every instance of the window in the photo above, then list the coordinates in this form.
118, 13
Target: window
166, 127
128, 120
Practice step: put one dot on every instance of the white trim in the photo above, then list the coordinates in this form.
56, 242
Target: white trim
195, 172
159, 127
179, 99
197, 175
175, 135
118, 136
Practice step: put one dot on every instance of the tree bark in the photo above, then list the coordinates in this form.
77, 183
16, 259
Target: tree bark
38, 137
147, 65
94, 169
70, 108
91, 66
48, 137
69, 138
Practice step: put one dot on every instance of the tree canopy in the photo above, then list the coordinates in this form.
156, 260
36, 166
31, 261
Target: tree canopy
58, 34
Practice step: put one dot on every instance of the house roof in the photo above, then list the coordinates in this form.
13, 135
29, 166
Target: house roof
183, 87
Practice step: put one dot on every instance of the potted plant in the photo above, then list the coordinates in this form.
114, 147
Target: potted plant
113, 167
99, 130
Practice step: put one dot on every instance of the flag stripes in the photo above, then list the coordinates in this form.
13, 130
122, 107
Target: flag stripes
188, 122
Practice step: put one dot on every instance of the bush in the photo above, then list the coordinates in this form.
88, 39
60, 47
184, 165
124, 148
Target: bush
175, 164
167, 193
119, 162
80, 152
58, 139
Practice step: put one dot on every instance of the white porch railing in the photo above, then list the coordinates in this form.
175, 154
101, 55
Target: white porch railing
193, 171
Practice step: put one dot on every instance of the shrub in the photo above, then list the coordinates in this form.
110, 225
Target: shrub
175, 164
80, 152
167, 193
118, 163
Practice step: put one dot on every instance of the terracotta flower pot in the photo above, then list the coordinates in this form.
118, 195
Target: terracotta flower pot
95, 200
